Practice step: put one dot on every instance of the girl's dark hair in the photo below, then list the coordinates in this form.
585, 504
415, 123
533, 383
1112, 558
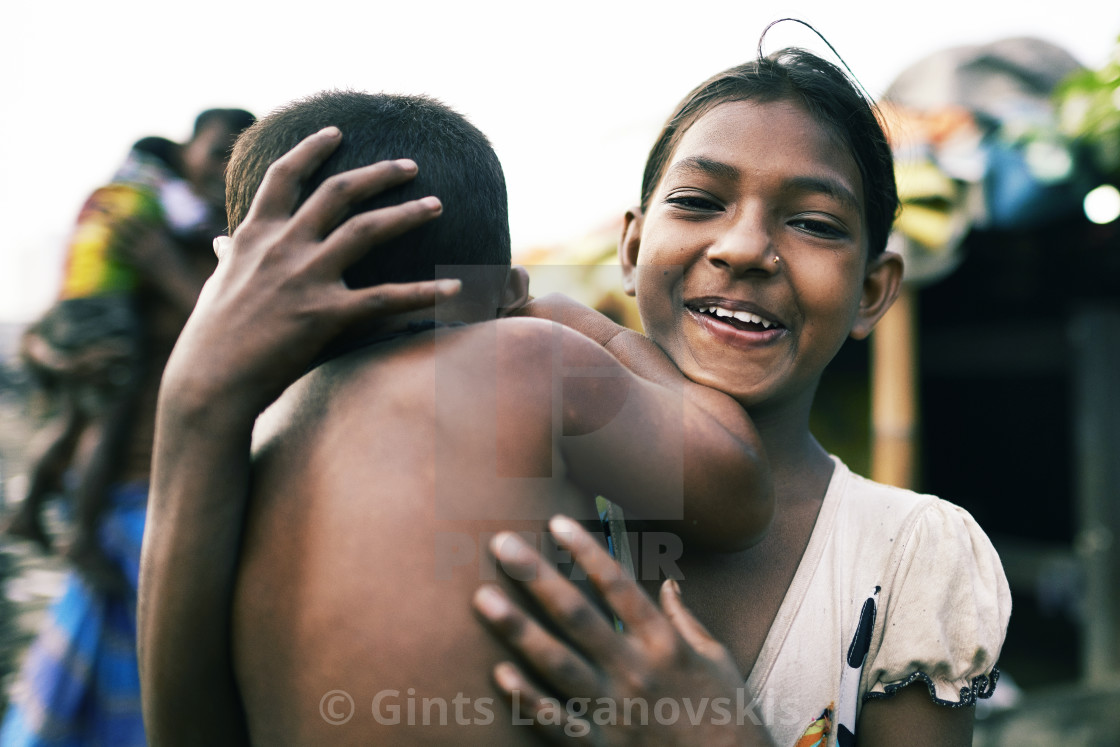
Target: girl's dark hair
827, 93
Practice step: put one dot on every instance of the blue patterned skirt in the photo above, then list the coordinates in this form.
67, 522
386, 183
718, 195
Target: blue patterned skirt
79, 684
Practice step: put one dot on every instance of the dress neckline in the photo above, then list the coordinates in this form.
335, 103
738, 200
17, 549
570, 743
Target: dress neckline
823, 527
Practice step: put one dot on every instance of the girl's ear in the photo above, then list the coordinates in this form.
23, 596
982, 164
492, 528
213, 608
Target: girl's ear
628, 247
880, 289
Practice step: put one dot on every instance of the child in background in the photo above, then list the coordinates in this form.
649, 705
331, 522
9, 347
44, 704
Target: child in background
135, 268
132, 243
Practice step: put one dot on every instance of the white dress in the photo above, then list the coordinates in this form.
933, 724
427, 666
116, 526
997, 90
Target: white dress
893, 587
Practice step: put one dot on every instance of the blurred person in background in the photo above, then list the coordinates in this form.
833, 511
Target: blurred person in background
136, 262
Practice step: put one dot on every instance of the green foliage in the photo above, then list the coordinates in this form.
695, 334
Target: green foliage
1088, 104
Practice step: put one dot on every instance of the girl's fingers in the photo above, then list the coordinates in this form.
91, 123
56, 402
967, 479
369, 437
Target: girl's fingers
332, 200
280, 188
221, 246
638, 613
556, 722
359, 235
563, 603
558, 665
691, 629
394, 298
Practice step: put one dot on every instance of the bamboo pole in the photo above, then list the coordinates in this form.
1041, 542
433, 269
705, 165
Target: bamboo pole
894, 394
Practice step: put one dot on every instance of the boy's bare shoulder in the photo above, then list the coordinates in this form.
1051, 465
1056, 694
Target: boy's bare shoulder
476, 357
514, 359
520, 346
541, 339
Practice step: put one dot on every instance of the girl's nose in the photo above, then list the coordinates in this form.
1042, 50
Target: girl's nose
747, 246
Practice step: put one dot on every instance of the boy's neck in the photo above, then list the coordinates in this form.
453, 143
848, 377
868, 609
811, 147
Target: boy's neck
448, 314
394, 323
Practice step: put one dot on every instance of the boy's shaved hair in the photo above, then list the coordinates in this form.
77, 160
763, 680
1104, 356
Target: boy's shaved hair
457, 165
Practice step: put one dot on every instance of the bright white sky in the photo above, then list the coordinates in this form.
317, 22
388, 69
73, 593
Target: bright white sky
571, 94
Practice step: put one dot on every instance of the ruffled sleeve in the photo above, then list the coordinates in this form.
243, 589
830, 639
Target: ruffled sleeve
944, 613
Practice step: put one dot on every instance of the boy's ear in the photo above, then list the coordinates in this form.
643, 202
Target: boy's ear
516, 291
628, 247
880, 288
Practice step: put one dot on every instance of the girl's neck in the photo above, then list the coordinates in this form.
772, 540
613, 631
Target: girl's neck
800, 466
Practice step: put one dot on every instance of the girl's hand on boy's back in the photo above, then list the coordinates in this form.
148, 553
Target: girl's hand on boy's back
278, 297
664, 656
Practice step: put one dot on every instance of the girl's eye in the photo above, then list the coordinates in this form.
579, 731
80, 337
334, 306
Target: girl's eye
693, 203
820, 228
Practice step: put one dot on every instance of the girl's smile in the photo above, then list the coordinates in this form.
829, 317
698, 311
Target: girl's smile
733, 324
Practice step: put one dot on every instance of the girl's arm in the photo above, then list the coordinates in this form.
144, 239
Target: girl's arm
910, 717
276, 298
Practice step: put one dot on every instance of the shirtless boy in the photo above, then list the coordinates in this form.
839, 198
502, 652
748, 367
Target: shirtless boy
412, 436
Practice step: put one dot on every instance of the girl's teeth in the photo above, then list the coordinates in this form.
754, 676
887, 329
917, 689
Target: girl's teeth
745, 316
742, 316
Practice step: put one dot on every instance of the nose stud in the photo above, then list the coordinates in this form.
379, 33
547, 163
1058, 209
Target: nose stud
776, 259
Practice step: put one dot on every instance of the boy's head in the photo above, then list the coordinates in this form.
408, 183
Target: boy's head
457, 165
827, 93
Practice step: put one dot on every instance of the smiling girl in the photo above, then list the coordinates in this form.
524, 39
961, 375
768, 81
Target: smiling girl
757, 250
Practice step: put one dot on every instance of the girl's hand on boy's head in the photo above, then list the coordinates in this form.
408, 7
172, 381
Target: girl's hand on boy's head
278, 297
586, 689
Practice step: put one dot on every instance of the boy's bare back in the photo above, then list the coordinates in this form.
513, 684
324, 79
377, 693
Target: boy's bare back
378, 480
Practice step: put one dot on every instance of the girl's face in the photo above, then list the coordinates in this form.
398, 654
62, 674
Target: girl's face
750, 265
